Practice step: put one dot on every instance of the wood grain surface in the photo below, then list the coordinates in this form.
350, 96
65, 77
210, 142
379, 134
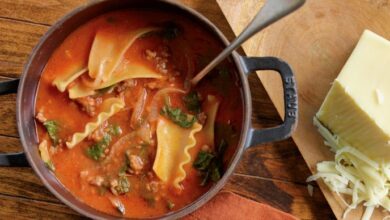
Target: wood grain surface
316, 41
274, 173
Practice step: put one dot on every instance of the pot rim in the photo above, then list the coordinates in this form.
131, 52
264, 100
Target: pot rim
244, 136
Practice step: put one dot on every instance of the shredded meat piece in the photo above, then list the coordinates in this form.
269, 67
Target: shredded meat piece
89, 104
153, 186
113, 184
40, 117
125, 84
98, 134
159, 57
136, 164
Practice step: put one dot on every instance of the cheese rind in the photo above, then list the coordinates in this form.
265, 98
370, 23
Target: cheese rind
357, 108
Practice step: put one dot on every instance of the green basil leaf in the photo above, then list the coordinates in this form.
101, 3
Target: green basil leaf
52, 129
177, 116
203, 160
96, 150
192, 102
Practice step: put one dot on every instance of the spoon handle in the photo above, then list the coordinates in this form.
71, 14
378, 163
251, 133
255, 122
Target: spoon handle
272, 11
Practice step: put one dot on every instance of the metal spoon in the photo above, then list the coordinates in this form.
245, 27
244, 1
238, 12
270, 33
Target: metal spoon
272, 11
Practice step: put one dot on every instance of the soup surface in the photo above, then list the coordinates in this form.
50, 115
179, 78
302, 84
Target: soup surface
117, 122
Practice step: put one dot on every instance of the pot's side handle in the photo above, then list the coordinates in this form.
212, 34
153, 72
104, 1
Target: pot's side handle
11, 159
283, 131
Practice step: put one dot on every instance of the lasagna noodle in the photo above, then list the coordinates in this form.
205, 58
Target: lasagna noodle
125, 71
174, 142
109, 108
62, 81
108, 49
212, 105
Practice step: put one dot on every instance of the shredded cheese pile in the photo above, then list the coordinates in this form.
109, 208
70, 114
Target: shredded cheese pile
353, 173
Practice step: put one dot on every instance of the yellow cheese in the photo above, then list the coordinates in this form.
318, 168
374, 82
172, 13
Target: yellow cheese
357, 108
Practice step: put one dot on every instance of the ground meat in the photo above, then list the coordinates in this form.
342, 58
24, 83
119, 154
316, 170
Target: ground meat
136, 164
154, 85
159, 57
40, 117
125, 84
153, 186
89, 104
98, 134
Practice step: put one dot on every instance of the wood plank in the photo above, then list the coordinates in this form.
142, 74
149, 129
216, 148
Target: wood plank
8, 115
23, 183
35, 11
316, 41
289, 197
278, 161
268, 161
17, 39
10, 144
17, 208
48, 12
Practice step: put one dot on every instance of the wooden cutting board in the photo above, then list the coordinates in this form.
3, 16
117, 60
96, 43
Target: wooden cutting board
316, 41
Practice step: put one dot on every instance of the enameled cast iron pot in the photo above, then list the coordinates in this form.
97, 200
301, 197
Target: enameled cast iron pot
26, 94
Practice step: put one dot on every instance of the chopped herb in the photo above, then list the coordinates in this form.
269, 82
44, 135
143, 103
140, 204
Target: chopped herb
211, 164
96, 151
123, 169
49, 164
52, 129
205, 178
203, 160
215, 174
115, 130
192, 102
178, 116
170, 205
123, 185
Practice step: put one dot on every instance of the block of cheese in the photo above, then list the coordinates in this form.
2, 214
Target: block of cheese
357, 108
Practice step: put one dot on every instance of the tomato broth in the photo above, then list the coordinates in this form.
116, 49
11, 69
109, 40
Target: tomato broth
112, 165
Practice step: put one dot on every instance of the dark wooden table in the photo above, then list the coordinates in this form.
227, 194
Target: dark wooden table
273, 173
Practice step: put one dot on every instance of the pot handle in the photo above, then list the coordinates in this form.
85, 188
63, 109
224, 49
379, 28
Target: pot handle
283, 131
11, 159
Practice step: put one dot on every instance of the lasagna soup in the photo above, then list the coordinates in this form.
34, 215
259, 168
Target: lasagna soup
120, 126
